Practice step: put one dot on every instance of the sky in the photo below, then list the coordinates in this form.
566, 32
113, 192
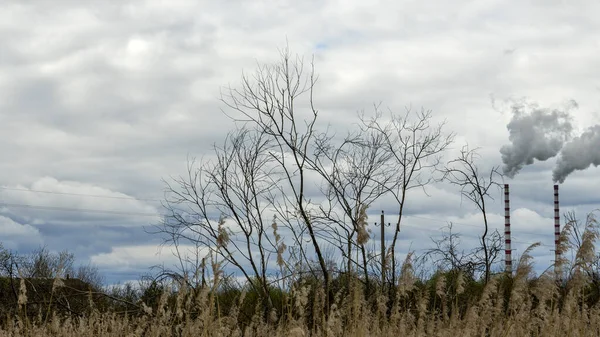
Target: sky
102, 100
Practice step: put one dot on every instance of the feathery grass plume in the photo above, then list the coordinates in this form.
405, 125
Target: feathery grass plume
407, 278
217, 272
180, 299
422, 302
22, 318
274, 227
460, 283
399, 315
300, 300
55, 326
223, 235
440, 286
146, 309
388, 257
57, 283
363, 235
204, 300
273, 317
240, 303
162, 310
334, 322
440, 296
382, 307
201, 304
586, 252
318, 314
296, 332
545, 291
90, 299
280, 245
22, 299
459, 289
485, 310
525, 265
519, 295
356, 304
562, 248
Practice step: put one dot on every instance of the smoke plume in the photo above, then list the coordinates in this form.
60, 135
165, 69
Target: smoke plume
535, 133
578, 154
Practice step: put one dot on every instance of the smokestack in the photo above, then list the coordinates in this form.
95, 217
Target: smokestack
556, 232
382, 249
507, 248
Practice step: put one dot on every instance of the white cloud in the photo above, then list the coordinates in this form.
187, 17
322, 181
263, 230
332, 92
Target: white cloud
48, 200
17, 236
141, 257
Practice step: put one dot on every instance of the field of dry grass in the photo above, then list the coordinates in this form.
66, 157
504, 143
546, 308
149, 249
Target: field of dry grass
448, 304
563, 301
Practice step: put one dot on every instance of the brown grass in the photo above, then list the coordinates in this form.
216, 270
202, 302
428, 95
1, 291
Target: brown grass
448, 304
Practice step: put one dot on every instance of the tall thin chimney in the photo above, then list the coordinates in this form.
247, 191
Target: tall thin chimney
507, 248
557, 269
382, 249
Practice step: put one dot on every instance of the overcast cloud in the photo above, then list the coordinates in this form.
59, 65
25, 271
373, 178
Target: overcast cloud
105, 98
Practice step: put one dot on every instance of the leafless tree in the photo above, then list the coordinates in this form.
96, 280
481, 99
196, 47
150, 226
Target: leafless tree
90, 274
271, 101
415, 147
9, 262
356, 173
476, 186
318, 185
9, 265
42, 263
219, 208
448, 253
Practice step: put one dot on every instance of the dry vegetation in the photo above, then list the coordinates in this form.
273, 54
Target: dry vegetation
448, 303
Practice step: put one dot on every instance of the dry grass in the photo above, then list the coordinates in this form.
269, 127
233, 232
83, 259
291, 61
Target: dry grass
448, 304
517, 306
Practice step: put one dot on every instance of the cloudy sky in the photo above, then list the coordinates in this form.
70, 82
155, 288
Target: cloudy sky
100, 100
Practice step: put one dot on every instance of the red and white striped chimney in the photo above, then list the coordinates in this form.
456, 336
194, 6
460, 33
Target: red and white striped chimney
507, 248
556, 232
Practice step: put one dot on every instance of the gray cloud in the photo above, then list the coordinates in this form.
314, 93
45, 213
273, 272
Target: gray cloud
535, 134
19, 236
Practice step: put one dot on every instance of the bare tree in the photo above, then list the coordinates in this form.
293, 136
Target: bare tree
270, 101
318, 186
448, 253
42, 263
475, 186
9, 266
91, 275
356, 173
219, 208
9, 262
415, 147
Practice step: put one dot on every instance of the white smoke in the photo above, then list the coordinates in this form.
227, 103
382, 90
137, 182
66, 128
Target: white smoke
535, 133
578, 154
